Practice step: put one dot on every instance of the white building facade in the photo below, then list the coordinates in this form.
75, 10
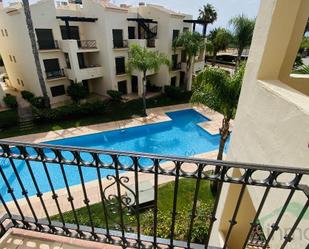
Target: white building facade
89, 43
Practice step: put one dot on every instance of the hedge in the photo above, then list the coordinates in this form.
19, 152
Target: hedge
8, 119
70, 111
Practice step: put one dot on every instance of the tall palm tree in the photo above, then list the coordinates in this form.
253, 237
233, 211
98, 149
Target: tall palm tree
242, 31
219, 39
208, 15
192, 43
219, 91
143, 59
35, 51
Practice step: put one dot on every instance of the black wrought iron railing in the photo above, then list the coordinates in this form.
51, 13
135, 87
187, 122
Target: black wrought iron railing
48, 45
151, 43
176, 66
55, 74
121, 44
101, 195
87, 44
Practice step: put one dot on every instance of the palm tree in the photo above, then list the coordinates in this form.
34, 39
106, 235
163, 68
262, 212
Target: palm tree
219, 39
192, 43
242, 31
208, 15
143, 60
219, 91
35, 51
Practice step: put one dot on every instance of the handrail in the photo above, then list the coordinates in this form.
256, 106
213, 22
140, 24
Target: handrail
113, 172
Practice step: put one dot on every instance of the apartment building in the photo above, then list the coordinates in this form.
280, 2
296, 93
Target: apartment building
88, 42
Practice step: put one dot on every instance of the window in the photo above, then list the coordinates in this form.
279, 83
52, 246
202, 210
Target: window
131, 31
57, 90
6, 32
175, 61
185, 29
67, 60
122, 87
173, 81
18, 81
120, 65
70, 34
45, 38
118, 38
1, 62
22, 82
175, 34
2, 32
10, 58
14, 59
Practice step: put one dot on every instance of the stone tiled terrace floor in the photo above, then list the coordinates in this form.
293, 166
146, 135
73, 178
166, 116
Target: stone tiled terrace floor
21, 239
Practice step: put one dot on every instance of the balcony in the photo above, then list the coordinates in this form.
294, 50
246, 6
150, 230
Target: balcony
85, 73
87, 44
55, 74
48, 45
176, 66
79, 46
151, 43
121, 44
117, 186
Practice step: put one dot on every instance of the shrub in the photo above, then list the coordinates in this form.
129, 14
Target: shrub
71, 111
77, 92
27, 95
10, 101
115, 95
174, 92
8, 119
38, 102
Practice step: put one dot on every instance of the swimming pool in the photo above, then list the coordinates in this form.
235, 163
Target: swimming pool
181, 136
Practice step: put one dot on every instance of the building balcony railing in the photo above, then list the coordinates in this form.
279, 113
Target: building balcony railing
151, 43
118, 44
35, 174
87, 44
55, 74
176, 66
48, 45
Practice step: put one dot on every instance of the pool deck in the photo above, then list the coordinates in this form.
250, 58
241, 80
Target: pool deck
155, 115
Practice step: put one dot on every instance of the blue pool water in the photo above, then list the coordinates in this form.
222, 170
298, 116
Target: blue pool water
181, 137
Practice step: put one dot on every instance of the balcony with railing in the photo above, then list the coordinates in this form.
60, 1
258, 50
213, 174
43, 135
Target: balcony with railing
48, 45
87, 44
120, 44
176, 66
46, 188
55, 74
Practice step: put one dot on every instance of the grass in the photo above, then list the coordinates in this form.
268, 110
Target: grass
165, 206
115, 112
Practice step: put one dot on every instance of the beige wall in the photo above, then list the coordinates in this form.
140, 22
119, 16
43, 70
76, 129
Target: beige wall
104, 76
272, 121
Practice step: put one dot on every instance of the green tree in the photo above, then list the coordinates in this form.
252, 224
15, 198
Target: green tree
143, 59
35, 51
219, 39
208, 15
243, 28
192, 43
219, 91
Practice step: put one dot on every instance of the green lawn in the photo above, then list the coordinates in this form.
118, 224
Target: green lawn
114, 112
165, 207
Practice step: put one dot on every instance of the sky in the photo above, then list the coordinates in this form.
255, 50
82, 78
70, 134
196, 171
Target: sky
226, 8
